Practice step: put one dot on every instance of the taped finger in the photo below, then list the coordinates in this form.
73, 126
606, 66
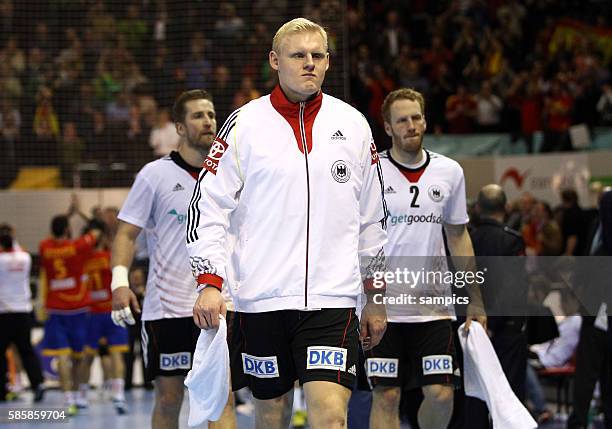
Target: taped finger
129, 317
117, 320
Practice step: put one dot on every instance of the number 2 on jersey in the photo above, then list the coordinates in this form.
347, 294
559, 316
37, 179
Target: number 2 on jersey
414, 190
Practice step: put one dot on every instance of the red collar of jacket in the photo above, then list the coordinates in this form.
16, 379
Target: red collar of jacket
291, 112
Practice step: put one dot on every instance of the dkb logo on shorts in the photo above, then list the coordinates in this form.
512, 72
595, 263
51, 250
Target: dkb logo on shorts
260, 367
321, 357
381, 367
437, 364
169, 362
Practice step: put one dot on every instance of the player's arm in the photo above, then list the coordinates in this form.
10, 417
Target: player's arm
215, 197
372, 238
41, 296
462, 253
75, 208
122, 254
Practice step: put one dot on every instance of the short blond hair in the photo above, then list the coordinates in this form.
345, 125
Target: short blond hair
297, 25
401, 94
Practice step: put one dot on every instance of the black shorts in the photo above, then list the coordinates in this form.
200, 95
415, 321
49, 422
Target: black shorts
270, 350
168, 345
412, 355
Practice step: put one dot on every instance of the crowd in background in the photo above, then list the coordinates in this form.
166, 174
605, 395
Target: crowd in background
484, 66
91, 80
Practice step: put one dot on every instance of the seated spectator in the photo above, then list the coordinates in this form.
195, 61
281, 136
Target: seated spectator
554, 353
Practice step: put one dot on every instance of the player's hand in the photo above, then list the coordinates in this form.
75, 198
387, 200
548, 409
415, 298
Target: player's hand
123, 299
373, 325
475, 312
207, 308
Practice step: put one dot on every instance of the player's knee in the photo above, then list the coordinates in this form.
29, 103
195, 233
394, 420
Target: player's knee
439, 394
168, 399
327, 411
273, 410
167, 403
387, 397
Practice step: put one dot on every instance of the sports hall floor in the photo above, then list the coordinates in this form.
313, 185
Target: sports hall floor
101, 414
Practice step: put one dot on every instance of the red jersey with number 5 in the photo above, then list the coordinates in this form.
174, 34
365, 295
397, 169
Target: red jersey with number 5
63, 262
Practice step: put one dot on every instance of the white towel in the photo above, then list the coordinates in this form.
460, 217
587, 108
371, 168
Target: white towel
484, 379
208, 380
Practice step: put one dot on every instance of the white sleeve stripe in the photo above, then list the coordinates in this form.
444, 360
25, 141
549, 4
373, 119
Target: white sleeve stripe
193, 214
382, 194
231, 120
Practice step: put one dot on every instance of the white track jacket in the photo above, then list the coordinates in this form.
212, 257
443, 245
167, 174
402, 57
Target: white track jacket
291, 199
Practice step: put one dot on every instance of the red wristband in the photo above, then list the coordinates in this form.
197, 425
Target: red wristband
211, 279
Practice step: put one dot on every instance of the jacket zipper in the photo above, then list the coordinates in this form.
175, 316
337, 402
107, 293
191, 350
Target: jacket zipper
305, 147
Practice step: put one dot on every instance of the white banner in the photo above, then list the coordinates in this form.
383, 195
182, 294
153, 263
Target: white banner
544, 176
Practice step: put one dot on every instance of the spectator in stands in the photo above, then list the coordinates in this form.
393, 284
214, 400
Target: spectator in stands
466, 44
572, 226
553, 353
521, 212
162, 77
409, 71
229, 25
245, 93
118, 110
221, 92
100, 140
46, 125
559, 351
133, 77
134, 28
488, 109
441, 88
10, 85
437, 55
71, 148
10, 123
549, 240
604, 105
460, 111
378, 85
525, 96
197, 67
164, 138
6, 19
34, 76
558, 105
392, 38
13, 56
